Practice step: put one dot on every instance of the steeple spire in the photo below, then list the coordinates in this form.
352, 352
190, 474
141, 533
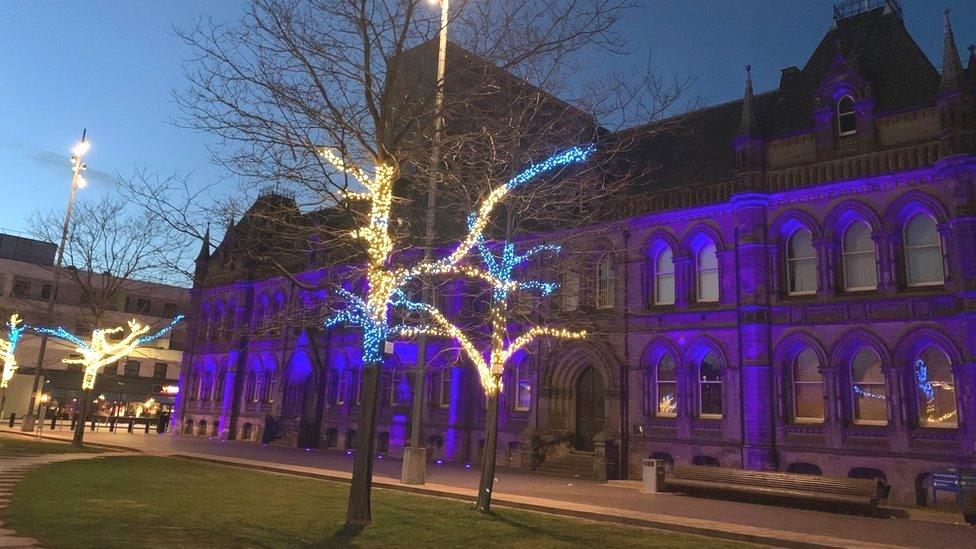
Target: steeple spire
205, 246
951, 65
748, 126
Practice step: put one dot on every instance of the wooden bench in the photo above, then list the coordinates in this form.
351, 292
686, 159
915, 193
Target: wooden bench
845, 492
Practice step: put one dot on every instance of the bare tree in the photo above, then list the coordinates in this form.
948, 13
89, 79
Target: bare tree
293, 80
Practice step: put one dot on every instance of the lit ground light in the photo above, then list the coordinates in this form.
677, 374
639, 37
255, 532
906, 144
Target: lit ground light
168, 502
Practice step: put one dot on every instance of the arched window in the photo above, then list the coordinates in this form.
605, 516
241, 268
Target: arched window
604, 283
523, 388
870, 395
846, 121
342, 388
206, 386
707, 268
860, 264
250, 393
710, 387
261, 312
219, 385
808, 391
444, 388
664, 277
267, 387
923, 252
801, 260
570, 290
666, 387
935, 389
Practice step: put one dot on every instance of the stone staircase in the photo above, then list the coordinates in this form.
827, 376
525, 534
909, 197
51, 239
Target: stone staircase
574, 464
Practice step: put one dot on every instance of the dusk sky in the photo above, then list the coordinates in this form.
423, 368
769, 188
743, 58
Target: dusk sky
111, 66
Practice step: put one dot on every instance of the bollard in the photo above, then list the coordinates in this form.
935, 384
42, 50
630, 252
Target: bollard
111, 425
131, 424
74, 422
93, 424
147, 425
54, 422
13, 416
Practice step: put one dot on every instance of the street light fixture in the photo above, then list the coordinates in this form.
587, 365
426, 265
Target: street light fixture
77, 182
415, 458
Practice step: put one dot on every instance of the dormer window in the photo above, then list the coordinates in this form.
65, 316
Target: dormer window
846, 123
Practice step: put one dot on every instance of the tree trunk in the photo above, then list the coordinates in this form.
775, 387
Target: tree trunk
359, 514
488, 459
79, 437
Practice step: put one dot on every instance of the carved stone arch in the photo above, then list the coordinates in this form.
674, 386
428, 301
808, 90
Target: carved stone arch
656, 241
791, 346
907, 205
845, 213
699, 347
566, 368
656, 349
845, 348
693, 239
841, 80
917, 339
789, 221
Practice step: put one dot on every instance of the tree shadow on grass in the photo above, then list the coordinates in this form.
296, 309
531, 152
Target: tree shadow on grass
521, 526
343, 537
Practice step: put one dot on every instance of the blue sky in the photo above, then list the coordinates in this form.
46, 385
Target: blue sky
110, 66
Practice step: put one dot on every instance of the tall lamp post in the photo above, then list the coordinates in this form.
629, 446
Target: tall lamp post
77, 182
415, 457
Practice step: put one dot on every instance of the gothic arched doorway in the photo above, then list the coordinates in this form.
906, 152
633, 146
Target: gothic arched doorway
590, 408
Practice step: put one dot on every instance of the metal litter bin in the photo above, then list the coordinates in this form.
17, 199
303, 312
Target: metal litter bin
967, 495
653, 475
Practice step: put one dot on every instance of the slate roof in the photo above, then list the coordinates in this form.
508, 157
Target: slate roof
696, 148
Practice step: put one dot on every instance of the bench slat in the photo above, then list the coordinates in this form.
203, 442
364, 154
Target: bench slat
814, 487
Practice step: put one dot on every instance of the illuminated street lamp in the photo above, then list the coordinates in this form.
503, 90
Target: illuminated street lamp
77, 182
415, 457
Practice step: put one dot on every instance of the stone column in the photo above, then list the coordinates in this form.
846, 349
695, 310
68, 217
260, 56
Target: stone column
683, 280
884, 244
965, 378
833, 413
754, 378
826, 267
897, 424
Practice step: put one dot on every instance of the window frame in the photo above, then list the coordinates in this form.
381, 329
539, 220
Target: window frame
519, 378
605, 282
700, 383
884, 383
700, 271
906, 252
792, 262
658, 275
845, 254
846, 114
658, 383
795, 416
444, 383
918, 397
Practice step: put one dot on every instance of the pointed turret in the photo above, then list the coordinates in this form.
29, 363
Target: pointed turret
951, 65
204, 254
748, 127
748, 144
972, 56
203, 260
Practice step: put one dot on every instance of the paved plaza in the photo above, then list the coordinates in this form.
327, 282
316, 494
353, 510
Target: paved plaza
617, 501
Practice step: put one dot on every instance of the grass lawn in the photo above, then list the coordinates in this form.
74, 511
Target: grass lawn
17, 446
146, 501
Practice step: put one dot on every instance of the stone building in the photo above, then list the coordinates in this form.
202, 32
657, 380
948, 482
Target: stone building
148, 375
792, 291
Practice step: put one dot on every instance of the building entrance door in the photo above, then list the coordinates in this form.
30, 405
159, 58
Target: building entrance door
590, 409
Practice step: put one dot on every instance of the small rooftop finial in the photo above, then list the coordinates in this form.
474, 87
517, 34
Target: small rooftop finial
205, 245
972, 56
951, 65
748, 126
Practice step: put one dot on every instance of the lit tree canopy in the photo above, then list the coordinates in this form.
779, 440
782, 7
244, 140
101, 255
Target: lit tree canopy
100, 352
8, 348
371, 313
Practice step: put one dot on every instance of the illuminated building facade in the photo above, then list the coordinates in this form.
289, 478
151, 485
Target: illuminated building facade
793, 291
